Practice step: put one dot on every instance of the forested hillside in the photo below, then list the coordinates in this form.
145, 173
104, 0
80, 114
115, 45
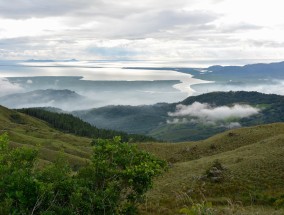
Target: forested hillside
70, 124
154, 120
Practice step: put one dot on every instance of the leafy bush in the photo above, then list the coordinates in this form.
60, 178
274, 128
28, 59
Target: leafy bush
114, 182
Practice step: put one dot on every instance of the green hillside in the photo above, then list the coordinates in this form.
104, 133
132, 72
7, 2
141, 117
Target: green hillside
71, 124
251, 172
239, 171
26, 130
54, 132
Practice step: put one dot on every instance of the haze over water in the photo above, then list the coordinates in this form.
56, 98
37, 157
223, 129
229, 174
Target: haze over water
104, 82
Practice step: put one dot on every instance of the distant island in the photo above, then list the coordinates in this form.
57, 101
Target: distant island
49, 61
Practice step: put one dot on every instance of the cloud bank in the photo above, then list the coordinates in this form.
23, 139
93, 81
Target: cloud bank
7, 87
205, 113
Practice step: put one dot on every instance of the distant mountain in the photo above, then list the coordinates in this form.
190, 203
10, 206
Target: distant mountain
259, 67
39, 61
71, 60
273, 70
49, 61
155, 120
248, 74
39, 98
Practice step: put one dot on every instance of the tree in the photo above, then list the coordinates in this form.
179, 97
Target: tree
122, 173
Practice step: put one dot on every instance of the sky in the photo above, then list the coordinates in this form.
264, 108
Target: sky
154, 30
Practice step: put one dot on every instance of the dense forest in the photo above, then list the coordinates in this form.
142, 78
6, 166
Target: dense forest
227, 98
70, 124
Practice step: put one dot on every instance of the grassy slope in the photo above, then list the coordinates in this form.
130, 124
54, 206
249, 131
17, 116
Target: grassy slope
36, 133
252, 156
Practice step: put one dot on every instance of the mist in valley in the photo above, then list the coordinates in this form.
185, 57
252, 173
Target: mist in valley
118, 83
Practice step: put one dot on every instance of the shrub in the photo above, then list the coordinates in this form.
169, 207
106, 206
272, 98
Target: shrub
114, 182
216, 172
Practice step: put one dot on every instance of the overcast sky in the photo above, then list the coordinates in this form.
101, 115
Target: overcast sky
179, 30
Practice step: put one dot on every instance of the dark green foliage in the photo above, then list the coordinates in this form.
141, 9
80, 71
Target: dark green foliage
122, 172
70, 124
19, 188
16, 118
114, 182
227, 98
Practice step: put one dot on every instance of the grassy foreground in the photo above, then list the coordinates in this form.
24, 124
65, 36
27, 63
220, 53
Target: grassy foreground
249, 176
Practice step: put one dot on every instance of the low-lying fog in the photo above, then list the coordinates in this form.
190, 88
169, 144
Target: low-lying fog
100, 86
205, 113
109, 83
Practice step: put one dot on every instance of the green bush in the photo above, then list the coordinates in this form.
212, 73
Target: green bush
113, 183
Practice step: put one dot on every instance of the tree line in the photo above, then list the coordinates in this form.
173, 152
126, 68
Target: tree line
71, 124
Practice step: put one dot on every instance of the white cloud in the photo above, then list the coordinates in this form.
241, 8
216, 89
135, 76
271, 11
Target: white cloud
209, 114
178, 30
7, 87
233, 125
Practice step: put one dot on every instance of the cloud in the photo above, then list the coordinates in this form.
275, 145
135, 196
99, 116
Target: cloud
112, 52
233, 125
144, 24
209, 114
22, 9
7, 87
239, 27
178, 30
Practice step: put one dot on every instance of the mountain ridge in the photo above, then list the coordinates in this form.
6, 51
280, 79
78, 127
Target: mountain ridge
41, 97
152, 119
